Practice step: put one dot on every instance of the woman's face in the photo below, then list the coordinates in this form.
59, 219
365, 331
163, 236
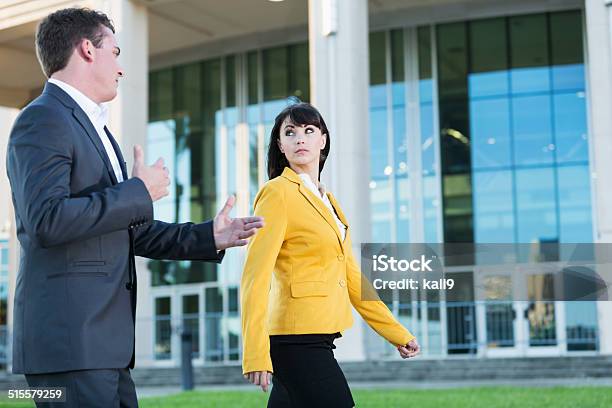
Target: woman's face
301, 144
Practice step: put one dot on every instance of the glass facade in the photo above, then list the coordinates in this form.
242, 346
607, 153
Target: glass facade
478, 133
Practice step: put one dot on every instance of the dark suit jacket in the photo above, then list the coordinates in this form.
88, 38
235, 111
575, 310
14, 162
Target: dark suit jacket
79, 230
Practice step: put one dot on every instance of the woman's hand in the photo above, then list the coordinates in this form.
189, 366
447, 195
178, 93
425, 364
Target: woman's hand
409, 350
261, 378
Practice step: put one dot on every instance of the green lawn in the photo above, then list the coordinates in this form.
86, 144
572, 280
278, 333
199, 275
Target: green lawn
489, 397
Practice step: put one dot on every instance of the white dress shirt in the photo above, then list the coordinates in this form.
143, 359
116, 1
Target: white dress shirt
320, 192
98, 115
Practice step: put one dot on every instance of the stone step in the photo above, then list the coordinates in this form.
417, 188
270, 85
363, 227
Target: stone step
420, 371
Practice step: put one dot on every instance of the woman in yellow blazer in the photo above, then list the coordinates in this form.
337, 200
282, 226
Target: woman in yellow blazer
300, 276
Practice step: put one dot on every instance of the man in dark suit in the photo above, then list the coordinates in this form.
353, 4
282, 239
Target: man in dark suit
81, 221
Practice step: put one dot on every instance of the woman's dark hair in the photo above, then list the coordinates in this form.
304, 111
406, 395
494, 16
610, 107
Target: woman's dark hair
300, 113
61, 31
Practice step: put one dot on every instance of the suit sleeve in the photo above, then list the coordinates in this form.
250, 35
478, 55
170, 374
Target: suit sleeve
374, 312
186, 241
256, 277
39, 164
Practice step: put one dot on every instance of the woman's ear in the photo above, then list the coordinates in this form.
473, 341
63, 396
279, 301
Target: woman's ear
324, 141
280, 147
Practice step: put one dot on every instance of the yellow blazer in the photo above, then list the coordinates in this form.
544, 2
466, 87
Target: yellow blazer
299, 276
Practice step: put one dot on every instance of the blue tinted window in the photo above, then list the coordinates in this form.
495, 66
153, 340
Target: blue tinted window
536, 205
575, 204
533, 142
490, 131
570, 127
493, 207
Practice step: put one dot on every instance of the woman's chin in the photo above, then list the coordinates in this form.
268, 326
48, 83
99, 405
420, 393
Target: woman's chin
301, 161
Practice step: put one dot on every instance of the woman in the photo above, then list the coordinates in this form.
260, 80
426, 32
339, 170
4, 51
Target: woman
300, 276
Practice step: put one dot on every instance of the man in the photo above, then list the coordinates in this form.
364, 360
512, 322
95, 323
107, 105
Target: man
81, 221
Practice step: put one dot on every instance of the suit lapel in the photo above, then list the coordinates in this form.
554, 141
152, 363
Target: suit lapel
95, 139
339, 212
315, 201
318, 204
118, 153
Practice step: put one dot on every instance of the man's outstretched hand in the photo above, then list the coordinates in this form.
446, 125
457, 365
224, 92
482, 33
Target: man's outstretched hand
231, 232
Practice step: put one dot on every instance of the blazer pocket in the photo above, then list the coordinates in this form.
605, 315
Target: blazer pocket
94, 267
306, 289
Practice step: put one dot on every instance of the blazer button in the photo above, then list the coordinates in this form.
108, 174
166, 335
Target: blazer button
342, 283
341, 258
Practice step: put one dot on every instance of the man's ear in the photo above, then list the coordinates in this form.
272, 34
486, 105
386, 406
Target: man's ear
85, 50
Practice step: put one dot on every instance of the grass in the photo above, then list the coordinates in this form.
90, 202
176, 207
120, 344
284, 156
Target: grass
488, 397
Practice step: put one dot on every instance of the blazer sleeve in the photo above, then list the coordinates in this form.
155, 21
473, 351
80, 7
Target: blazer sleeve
39, 166
374, 312
186, 241
256, 277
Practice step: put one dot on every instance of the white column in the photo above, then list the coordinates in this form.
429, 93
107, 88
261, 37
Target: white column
129, 110
7, 118
7, 219
339, 81
599, 51
128, 122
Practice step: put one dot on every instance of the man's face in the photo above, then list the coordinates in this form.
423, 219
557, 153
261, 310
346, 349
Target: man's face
106, 68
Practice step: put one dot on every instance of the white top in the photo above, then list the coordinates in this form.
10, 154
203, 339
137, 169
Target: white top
320, 192
98, 116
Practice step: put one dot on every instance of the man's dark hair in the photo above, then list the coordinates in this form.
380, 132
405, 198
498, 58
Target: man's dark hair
61, 31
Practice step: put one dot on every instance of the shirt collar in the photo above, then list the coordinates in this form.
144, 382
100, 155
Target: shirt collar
309, 183
98, 114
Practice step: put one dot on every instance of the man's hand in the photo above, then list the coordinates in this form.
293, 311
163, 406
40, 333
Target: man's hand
231, 232
156, 177
409, 350
261, 378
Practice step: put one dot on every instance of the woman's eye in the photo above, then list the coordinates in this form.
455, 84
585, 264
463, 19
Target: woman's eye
309, 130
289, 133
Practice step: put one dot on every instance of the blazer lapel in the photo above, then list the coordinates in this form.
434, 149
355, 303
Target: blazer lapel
118, 153
318, 204
339, 212
95, 139
315, 201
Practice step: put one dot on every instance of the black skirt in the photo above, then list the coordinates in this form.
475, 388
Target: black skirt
306, 374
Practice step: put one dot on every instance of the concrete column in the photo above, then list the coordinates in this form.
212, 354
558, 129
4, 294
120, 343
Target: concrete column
7, 220
129, 110
128, 122
599, 51
7, 118
339, 83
